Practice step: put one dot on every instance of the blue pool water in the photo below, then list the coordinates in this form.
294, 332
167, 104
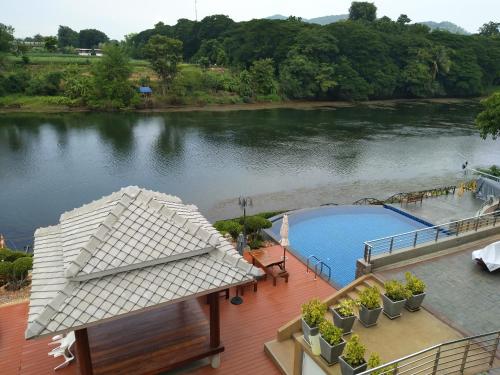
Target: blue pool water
336, 234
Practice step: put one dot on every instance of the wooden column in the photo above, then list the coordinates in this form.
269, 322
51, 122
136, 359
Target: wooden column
83, 352
214, 320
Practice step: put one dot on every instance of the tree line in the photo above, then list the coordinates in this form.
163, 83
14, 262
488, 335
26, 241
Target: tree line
363, 57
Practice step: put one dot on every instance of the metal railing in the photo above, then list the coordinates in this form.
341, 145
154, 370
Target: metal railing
475, 354
487, 175
387, 245
321, 264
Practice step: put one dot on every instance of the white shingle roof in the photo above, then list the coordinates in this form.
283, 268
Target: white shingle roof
129, 251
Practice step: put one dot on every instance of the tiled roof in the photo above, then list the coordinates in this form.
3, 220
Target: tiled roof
129, 251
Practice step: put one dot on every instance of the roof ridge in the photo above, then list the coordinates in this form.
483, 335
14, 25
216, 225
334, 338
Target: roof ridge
195, 229
130, 190
146, 198
102, 231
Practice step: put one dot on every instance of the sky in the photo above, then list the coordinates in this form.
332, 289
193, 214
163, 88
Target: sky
120, 17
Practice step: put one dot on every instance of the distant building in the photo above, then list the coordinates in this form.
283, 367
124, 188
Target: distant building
145, 91
89, 51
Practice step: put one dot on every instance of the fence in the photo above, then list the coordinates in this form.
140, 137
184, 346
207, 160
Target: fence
388, 245
475, 354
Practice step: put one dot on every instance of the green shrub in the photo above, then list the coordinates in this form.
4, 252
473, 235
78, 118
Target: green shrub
21, 266
5, 270
374, 361
229, 226
354, 353
396, 291
370, 298
255, 243
313, 312
414, 284
253, 224
346, 307
8, 255
48, 84
331, 334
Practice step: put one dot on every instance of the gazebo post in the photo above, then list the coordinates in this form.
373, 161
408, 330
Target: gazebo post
214, 320
83, 352
213, 299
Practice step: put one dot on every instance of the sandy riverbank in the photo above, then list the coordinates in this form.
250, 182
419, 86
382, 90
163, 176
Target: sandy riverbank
303, 105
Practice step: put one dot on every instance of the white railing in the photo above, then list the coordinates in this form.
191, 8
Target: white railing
387, 245
474, 354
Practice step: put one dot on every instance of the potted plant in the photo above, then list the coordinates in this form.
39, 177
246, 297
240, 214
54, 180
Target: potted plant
374, 361
416, 287
370, 309
394, 298
313, 313
353, 360
331, 341
343, 315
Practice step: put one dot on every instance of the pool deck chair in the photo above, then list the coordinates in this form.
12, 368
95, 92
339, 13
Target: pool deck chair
64, 349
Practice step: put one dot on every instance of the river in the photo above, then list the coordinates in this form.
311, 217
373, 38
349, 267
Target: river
283, 158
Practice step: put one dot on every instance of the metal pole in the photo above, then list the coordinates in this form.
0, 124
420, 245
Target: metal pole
392, 243
415, 239
464, 358
437, 234
477, 223
493, 353
436, 361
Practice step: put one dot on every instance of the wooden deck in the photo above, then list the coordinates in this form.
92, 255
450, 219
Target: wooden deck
244, 329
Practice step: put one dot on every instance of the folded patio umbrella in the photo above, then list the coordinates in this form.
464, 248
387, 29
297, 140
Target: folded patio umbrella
284, 231
284, 236
490, 256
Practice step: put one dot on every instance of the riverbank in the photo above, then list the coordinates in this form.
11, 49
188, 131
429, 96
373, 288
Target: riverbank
41, 104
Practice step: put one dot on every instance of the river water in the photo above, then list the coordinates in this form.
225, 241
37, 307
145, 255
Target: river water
283, 158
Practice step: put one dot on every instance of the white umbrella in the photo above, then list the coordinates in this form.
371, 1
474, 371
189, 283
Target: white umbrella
284, 236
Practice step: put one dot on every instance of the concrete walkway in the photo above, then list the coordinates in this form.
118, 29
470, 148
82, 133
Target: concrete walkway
458, 291
445, 208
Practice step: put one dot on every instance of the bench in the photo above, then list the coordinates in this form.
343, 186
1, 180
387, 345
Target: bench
241, 288
275, 273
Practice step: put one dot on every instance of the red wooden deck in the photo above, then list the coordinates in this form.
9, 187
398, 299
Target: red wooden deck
244, 328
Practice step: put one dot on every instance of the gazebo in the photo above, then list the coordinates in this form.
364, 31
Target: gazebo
126, 273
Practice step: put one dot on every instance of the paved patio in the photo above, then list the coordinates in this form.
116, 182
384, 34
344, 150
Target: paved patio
459, 291
445, 208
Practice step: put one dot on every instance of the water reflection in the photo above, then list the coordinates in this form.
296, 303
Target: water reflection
52, 163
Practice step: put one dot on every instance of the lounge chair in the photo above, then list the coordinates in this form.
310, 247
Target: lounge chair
488, 257
64, 349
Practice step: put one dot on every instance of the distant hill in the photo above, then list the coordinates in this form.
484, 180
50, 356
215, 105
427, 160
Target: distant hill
447, 26
325, 20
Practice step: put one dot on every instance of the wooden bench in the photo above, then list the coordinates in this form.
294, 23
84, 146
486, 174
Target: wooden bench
276, 272
241, 288
413, 198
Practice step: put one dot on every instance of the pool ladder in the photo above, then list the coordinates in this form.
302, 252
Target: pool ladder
318, 262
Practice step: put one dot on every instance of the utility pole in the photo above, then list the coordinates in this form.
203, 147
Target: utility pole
196, 10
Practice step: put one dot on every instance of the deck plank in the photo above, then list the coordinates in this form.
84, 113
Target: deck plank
244, 330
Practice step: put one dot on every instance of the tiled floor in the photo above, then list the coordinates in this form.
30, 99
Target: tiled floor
244, 328
458, 290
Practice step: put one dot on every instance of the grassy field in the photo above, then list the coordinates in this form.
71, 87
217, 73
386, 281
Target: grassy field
63, 59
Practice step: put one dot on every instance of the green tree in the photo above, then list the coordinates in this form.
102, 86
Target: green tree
362, 11
91, 38
262, 76
213, 51
6, 37
67, 37
350, 85
490, 29
403, 20
164, 54
488, 121
111, 86
50, 43
465, 76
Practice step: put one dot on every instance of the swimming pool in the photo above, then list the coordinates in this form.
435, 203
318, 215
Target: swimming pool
336, 234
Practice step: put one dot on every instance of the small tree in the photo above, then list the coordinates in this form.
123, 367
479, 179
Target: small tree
490, 29
50, 43
403, 19
164, 54
262, 76
112, 88
362, 11
488, 121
